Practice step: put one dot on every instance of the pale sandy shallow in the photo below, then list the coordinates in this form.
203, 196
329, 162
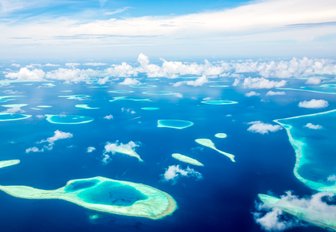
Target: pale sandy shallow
187, 159
209, 144
8, 163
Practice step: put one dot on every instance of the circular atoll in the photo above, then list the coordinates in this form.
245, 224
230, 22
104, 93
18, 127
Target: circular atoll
105, 195
68, 119
174, 123
4, 117
218, 102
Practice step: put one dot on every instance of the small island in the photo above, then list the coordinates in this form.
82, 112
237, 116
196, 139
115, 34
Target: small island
86, 107
221, 135
8, 163
187, 159
209, 144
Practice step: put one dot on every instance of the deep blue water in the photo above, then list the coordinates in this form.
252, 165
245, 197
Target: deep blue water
222, 201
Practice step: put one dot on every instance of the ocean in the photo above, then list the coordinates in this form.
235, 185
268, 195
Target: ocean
222, 199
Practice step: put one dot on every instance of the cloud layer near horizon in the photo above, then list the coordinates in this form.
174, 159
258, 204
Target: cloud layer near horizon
241, 69
251, 29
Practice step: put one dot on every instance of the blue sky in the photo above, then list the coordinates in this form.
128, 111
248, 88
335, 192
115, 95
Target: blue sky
113, 29
127, 8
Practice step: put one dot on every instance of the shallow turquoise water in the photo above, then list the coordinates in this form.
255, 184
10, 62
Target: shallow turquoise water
220, 201
315, 148
112, 193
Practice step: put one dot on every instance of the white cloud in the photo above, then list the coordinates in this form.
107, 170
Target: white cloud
122, 70
33, 150
129, 81
313, 126
195, 83
263, 128
258, 21
271, 221
313, 209
59, 135
108, 117
74, 64
48, 144
275, 93
171, 69
313, 81
173, 172
95, 64
261, 83
90, 149
51, 65
102, 81
143, 60
25, 74
73, 74
121, 148
314, 104
252, 94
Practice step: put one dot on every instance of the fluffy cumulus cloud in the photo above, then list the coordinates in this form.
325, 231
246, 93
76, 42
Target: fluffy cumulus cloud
174, 172
73, 74
121, 148
122, 70
314, 104
313, 126
171, 69
34, 150
102, 81
129, 81
25, 74
263, 128
259, 83
108, 117
295, 67
252, 94
48, 143
90, 149
271, 221
196, 83
313, 208
59, 135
